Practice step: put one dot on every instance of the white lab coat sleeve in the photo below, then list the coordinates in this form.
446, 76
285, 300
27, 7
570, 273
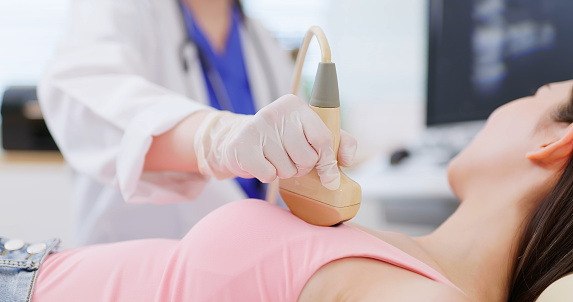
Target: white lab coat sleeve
102, 107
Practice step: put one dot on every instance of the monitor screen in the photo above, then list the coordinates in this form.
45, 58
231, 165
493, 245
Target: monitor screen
485, 53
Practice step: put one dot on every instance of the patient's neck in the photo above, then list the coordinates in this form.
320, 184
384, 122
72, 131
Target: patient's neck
475, 246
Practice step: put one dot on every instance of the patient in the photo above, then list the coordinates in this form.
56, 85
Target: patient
509, 239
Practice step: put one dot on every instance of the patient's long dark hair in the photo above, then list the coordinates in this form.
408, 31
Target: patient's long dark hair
545, 250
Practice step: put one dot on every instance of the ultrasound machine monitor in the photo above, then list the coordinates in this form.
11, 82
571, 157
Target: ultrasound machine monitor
485, 53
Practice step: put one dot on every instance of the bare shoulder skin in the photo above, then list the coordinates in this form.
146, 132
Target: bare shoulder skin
363, 279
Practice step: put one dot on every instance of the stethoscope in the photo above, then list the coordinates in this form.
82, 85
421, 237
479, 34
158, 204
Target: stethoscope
213, 76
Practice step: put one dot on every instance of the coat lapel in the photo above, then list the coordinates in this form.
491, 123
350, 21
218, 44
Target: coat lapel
259, 80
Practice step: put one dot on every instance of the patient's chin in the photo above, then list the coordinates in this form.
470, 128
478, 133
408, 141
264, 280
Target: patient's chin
457, 172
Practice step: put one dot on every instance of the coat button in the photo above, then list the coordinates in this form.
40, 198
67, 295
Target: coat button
36, 248
14, 244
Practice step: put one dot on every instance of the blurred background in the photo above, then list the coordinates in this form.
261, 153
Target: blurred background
417, 78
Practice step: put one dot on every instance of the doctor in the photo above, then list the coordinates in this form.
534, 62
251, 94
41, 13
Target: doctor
132, 99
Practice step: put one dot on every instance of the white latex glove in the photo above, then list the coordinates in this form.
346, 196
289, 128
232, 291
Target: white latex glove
284, 139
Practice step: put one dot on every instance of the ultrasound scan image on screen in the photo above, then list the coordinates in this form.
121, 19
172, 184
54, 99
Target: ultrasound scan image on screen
485, 53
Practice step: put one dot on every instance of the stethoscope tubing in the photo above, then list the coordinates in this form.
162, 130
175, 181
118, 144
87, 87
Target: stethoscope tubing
213, 75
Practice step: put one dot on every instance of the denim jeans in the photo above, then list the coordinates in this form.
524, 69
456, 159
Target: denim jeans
19, 264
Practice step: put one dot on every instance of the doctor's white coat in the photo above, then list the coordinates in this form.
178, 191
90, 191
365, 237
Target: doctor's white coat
116, 81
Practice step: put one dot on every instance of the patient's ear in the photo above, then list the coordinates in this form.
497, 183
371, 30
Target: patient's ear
554, 152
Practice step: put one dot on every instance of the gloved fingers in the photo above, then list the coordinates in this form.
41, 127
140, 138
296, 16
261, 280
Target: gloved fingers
315, 131
321, 140
298, 148
277, 156
250, 163
347, 149
327, 169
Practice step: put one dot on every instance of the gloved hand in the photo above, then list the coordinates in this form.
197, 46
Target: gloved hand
284, 139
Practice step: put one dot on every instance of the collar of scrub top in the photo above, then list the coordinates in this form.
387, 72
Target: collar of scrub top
225, 72
218, 94
252, 36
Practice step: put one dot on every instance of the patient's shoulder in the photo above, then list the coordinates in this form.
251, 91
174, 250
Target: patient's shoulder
362, 279
418, 288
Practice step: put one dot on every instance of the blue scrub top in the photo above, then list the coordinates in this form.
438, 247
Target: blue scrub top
228, 67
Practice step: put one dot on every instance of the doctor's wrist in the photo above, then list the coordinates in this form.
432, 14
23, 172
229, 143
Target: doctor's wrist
174, 150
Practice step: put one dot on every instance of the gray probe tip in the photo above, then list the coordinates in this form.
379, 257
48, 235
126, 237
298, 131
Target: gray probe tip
325, 88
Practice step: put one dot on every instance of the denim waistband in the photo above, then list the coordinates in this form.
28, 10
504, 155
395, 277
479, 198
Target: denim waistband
19, 264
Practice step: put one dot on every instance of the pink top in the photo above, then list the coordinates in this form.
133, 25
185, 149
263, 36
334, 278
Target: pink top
245, 251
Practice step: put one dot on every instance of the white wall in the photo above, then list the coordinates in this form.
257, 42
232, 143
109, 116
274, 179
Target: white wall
29, 30
379, 47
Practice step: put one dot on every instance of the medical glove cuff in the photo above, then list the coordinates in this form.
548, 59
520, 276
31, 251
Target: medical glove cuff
210, 142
